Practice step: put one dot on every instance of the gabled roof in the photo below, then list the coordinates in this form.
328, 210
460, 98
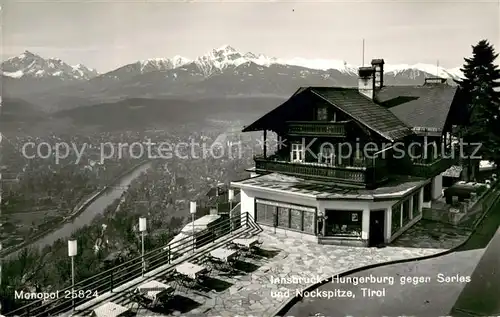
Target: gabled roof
266, 120
365, 110
424, 106
351, 102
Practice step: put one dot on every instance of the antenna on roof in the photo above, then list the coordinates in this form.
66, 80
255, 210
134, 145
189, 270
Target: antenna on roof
437, 68
363, 58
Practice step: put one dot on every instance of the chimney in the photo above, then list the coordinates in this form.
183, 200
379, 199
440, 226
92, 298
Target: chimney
366, 81
378, 65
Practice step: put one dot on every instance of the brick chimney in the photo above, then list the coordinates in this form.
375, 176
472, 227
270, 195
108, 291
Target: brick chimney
366, 81
378, 65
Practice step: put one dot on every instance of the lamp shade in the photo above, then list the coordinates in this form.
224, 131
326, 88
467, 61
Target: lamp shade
230, 194
142, 224
192, 207
72, 248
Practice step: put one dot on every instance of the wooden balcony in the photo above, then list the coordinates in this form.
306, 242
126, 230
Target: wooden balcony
367, 177
317, 128
430, 168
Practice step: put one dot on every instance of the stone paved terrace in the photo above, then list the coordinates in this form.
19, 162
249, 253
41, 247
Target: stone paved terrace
250, 294
432, 234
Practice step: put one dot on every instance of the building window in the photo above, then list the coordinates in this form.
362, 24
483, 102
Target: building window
343, 223
297, 154
296, 219
396, 218
416, 205
326, 155
322, 114
283, 217
308, 225
265, 214
406, 212
358, 159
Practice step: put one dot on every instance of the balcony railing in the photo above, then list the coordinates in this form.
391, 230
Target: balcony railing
363, 176
430, 167
317, 128
156, 259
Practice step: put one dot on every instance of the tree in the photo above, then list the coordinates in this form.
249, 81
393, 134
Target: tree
480, 89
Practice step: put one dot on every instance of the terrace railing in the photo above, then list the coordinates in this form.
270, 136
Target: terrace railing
132, 269
366, 176
317, 128
430, 167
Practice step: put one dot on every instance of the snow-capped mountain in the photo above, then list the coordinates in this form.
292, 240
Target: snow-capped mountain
224, 71
146, 66
433, 70
30, 65
226, 57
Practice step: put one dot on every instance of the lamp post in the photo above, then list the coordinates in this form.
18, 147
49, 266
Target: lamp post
192, 211
72, 252
230, 197
142, 229
1, 261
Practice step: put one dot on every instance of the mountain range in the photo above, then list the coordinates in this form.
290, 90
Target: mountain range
224, 72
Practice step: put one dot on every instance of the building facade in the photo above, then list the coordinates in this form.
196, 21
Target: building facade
353, 166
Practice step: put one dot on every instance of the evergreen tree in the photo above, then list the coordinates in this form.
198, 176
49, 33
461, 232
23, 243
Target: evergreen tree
480, 88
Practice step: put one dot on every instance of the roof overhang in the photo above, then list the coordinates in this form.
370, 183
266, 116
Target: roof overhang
289, 190
423, 131
262, 123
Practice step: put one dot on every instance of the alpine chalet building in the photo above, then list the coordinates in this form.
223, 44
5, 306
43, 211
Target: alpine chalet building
399, 137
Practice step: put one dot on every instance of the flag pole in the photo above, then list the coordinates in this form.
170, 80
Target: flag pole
363, 54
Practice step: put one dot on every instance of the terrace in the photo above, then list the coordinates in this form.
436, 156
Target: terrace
247, 289
430, 168
366, 174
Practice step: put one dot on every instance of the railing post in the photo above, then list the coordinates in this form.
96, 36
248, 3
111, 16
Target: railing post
111, 282
168, 250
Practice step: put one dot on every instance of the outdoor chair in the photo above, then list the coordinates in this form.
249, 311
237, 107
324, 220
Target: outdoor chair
171, 276
135, 297
164, 299
233, 246
219, 265
258, 245
251, 252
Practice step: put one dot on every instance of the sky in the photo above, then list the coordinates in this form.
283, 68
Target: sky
109, 34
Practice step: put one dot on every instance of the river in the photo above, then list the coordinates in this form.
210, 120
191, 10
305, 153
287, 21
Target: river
91, 211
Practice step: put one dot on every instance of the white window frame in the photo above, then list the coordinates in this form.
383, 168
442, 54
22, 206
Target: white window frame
327, 156
358, 157
297, 152
323, 111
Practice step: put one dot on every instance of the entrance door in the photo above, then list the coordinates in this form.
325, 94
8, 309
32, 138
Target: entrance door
377, 226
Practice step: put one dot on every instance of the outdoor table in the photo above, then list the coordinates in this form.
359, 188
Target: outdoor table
224, 254
154, 290
190, 270
110, 309
247, 243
